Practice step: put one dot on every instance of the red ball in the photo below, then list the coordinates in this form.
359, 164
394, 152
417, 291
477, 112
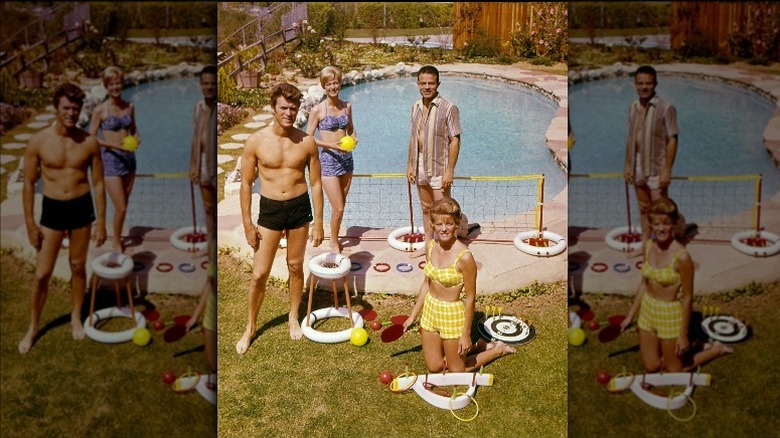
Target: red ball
603, 377
375, 325
168, 377
385, 377
593, 325
158, 325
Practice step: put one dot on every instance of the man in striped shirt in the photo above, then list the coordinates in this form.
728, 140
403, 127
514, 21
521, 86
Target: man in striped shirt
434, 144
651, 145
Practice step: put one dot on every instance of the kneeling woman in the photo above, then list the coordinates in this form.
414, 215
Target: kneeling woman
450, 271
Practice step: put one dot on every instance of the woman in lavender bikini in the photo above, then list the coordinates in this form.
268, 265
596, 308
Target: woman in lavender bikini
333, 118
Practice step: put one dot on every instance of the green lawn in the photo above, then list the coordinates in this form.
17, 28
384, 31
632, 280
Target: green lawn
68, 388
739, 402
284, 388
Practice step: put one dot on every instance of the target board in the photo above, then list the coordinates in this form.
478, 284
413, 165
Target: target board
506, 328
725, 328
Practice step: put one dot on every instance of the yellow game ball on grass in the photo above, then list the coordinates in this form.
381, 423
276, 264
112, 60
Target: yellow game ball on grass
141, 337
358, 337
347, 143
576, 336
130, 143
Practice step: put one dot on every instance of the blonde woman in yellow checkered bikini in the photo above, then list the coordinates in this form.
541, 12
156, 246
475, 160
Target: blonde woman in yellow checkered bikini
450, 271
667, 272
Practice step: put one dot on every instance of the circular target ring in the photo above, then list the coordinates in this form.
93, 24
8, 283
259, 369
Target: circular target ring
725, 328
506, 328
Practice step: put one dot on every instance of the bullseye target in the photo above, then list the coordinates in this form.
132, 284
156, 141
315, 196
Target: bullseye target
506, 328
725, 328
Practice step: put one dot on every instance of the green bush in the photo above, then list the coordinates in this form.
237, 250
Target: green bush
226, 87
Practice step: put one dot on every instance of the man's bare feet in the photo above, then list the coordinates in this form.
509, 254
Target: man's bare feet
27, 342
417, 254
335, 247
117, 246
200, 253
78, 327
243, 344
295, 327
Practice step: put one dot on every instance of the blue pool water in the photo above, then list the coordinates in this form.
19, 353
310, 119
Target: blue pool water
164, 118
503, 126
721, 128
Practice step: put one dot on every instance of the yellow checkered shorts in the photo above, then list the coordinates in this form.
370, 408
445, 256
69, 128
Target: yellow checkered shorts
445, 317
663, 317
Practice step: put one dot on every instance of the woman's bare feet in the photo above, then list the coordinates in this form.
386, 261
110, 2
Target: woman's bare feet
718, 347
504, 348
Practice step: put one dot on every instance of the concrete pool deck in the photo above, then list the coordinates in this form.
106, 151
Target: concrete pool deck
719, 266
502, 267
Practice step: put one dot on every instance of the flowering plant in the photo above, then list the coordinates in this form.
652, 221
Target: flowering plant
545, 34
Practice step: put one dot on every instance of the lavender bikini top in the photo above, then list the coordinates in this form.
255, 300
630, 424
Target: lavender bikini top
115, 123
332, 123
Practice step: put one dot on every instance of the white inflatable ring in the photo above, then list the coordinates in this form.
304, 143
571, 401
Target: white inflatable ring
545, 251
178, 241
392, 239
112, 266
615, 243
759, 251
113, 337
316, 265
330, 337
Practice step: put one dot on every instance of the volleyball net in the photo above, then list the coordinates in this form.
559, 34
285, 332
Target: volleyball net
161, 200
718, 205
501, 205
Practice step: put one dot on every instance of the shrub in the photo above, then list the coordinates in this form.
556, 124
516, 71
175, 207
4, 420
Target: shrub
229, 116
11, 116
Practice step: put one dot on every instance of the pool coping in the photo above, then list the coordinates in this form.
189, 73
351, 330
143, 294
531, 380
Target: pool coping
508, 269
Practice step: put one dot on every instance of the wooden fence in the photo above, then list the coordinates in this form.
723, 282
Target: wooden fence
494, 19
711, 21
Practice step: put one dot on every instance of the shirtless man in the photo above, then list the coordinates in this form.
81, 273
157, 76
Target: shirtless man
434, 145
63, 155
651, 145
280, 153
203, 158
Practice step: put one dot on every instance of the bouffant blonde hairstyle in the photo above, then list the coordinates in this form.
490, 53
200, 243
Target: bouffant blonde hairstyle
328, 74
112, 72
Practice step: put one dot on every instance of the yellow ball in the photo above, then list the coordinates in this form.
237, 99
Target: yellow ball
130, 143
358, 337
141, 336
347, 143
576, 336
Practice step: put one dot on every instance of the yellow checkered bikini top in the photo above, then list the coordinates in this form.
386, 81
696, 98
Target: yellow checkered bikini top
447, 277
666, 276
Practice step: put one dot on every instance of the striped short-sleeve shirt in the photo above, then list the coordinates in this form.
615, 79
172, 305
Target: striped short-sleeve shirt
649, 130
439, 123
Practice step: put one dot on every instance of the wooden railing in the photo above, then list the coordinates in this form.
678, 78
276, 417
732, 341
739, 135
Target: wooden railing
267, 44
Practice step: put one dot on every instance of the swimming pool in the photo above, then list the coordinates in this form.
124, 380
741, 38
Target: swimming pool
721, 128
164, 118
504, 127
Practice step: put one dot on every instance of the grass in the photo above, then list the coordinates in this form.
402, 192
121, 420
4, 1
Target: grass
68, 388
285, 388
736, 404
